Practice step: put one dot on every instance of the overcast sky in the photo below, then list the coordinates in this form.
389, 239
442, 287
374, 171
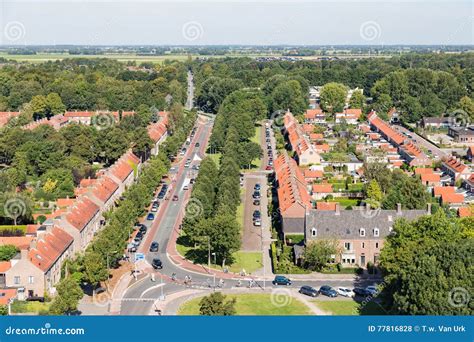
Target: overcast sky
302, 22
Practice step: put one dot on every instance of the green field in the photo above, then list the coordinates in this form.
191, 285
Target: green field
254, 304
44, 57
349, 307
29, 307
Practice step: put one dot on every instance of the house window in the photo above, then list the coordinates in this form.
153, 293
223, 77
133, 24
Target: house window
314, 232
376, 232
347, 246
376, 245
362, 232
31, 280
16, 280
363, 244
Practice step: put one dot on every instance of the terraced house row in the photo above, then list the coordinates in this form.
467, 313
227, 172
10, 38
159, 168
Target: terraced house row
72, 226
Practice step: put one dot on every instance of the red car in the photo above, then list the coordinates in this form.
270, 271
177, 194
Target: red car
268, 167
175, 198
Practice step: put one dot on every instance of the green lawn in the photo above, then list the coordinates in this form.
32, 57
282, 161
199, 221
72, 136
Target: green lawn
254, 304
345, 202
240, 210
349, 307
29, 307
250, 261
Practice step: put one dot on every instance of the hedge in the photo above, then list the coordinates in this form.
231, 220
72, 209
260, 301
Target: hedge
11, 230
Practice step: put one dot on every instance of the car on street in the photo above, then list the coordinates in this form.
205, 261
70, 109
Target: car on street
257, 222
183, 152
150, 217
137, 241
131, 247
186, 187
257, 187
256, 194
309, 291
256, 202
372, 289
281, 280
154, 207
197, 144
157, 264
143, 229
257, 214
345, 292
175, 198
192, 180
360, 291
154, 246
268, 167
327, 291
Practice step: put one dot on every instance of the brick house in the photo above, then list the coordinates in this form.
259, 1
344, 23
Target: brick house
360, 236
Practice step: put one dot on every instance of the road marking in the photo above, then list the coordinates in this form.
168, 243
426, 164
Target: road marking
152, 288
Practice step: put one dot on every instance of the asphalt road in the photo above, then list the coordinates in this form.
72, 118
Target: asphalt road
435, 151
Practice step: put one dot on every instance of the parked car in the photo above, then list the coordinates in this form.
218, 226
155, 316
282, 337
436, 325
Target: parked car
257, 222
359, 291
257, 214
131, 247
256, 202
345, 292
175, 198
256, 194
150, 217
154, 246
257, 187
143, 229
309, 291
372, 289
281, 280
197, 144
268, 168
157, 264
328, 291
154, 208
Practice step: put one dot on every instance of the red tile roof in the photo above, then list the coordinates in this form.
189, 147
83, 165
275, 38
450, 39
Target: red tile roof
423, 170
65, 202
383, 127
455, 164
6, 295
452, 198
430, 178
313, 174
292, 193
104, 188
327, 206
5, 266
316, 136
81, 213
311, 113
49, 248
125, 166
322, 188
465, 212
440, 190
20, 242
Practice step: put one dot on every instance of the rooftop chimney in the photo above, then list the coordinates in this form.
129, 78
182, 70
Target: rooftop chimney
399, 209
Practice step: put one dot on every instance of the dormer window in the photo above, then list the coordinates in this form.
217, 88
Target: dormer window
376, 232
362, 232
314, 232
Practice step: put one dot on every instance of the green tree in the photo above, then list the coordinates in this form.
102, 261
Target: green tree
428, 266
216, 305
374, 194
7, 252
68, 296
318, 253
94, 269
467, 105
357, 99
54, 104
333, 97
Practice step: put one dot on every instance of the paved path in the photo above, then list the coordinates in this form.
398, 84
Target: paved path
435, 151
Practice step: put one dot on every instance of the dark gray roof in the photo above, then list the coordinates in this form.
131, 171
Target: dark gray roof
348, 223
463, 130
438, 120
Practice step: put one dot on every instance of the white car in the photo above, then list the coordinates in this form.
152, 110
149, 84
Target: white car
345, 292
257, 223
